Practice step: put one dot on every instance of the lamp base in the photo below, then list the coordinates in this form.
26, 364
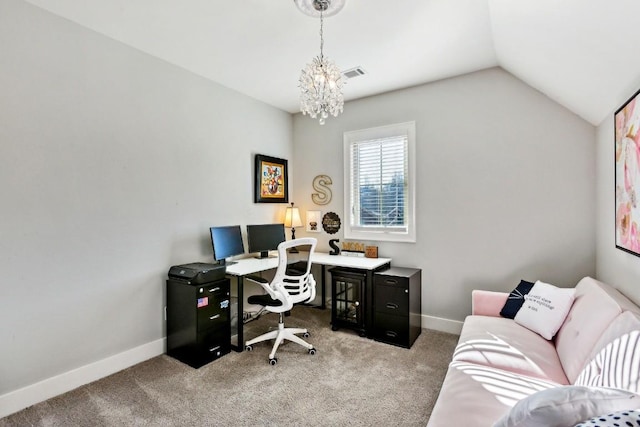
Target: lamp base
293, 237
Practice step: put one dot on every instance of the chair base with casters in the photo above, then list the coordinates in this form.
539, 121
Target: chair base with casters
279, 336
290, 285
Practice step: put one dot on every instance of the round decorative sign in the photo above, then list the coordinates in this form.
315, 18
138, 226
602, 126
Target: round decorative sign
331, 222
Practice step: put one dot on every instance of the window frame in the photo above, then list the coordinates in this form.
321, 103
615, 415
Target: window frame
381, 234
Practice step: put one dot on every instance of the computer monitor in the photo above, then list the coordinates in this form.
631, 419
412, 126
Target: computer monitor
264, 238
226, 242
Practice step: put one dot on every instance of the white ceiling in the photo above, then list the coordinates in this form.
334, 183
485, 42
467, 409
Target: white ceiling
581, 53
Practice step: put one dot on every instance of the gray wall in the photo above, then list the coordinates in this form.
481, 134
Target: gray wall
613, 266
505, 190
113, 165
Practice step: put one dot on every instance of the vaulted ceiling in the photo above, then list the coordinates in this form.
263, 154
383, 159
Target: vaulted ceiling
580, 53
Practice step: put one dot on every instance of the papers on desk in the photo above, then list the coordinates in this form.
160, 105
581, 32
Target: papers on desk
350, 253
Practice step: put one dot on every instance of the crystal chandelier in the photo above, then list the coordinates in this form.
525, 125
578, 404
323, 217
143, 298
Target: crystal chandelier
321, 80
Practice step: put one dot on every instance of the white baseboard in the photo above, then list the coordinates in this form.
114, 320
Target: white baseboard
442, 325
17, 400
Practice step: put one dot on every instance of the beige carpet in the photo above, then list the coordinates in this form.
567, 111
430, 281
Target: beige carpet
350, 381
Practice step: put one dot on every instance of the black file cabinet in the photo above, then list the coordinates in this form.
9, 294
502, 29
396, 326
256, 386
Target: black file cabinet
397, 306
198, 321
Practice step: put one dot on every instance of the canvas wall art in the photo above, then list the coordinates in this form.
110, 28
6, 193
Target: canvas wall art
627, 175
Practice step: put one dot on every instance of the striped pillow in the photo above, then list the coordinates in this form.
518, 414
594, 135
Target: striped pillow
617, 365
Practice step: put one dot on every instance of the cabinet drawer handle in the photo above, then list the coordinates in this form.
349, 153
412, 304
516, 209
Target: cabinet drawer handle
214, 290
391, 281
211, 350
391, 334
214, 317
392, 306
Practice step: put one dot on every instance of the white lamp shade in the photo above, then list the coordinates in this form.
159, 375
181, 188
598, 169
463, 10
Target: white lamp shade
292, 218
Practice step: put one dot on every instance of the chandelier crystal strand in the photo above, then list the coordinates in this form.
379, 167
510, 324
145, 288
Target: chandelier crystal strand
321, 84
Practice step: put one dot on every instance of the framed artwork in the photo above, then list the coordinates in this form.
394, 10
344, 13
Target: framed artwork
271, 180
314, 221
627, 175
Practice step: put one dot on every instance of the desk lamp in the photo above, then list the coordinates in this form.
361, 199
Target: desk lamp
292, 219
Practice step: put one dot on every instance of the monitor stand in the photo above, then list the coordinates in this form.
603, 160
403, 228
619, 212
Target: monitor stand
225, 262
264, 254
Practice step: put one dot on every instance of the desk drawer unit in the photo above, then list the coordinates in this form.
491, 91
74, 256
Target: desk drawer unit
198, 321
397, 306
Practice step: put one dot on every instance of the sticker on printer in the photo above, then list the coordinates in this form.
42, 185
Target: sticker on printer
203, 302
224, 304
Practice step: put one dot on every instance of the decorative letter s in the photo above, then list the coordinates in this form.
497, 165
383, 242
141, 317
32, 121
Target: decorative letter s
321, 185
335, 249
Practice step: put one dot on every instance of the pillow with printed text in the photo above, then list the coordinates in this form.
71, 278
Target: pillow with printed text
544, 309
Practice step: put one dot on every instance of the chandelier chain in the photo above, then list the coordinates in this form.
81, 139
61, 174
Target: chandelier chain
321, 35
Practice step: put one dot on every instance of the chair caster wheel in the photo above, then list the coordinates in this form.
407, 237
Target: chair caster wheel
334, 328
273, 361
312, 351
306, 335
248, 348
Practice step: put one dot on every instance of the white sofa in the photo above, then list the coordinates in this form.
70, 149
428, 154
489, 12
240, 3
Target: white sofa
498, 363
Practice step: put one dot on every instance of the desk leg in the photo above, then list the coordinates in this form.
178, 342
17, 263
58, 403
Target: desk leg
240, 324
368, 308
323, 291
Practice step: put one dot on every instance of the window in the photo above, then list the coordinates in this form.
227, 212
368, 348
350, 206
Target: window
379, 166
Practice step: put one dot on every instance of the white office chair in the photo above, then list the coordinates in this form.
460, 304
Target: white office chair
293, 283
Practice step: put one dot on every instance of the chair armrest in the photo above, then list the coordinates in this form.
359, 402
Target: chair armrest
282, 295
256, 279
487, 303
312, 283
275, 291
266, 285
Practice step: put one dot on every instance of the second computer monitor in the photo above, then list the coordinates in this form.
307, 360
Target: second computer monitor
264, 238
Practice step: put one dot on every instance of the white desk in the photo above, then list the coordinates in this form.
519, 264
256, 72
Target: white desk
247, 266
360, 263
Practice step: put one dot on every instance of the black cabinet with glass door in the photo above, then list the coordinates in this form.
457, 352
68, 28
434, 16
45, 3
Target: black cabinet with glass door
348, 299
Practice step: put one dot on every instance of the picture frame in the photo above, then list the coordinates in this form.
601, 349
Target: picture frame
627, 176
314, 221
271, 180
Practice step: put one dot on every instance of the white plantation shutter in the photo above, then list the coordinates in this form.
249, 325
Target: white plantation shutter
378, 183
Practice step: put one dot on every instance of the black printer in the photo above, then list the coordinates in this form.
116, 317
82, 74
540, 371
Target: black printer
197, 273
